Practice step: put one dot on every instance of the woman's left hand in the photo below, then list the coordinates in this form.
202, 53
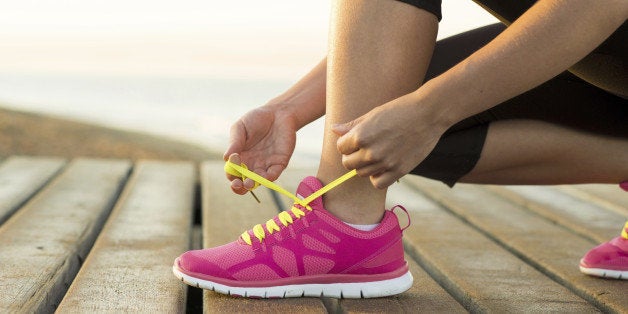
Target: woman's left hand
389, 141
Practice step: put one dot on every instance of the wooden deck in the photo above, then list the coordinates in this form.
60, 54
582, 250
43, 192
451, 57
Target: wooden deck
100, 235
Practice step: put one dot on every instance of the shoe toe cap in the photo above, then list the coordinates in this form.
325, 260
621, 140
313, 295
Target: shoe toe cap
192, 262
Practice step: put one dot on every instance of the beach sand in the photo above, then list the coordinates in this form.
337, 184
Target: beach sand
39, 135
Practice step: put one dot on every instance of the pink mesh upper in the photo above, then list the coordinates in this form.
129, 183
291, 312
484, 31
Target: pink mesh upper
256, 272
285, 259
317, 265
228, 254
315, 245
329, 236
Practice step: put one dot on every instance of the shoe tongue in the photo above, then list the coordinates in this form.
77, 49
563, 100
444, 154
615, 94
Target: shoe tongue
308, 186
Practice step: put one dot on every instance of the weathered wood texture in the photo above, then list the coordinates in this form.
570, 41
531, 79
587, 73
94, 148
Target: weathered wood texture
225, 216
605, 195
129, 268
473, 248
527, 235
21, 177
590, 220
43, 245
480, 273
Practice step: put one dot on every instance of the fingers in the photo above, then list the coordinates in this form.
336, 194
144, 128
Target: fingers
273, 172
249, 184
237, 186
381, 173
234, 158
240, 186
371, 170
348, 142
237, 139
341, 128
356, 160
384, 180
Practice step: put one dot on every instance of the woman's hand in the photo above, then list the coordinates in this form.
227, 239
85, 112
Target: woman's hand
390, 140
263, 139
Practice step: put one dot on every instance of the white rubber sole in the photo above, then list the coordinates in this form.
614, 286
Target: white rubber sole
356, 290
606, 273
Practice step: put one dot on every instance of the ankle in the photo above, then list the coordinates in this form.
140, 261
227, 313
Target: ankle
355, 201
354, 211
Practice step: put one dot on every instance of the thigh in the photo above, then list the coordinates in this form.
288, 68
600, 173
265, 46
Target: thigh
564, 100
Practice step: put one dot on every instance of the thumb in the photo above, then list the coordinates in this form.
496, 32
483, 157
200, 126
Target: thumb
235, 158
343, 128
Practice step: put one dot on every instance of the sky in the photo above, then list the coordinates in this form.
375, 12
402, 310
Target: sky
209, 38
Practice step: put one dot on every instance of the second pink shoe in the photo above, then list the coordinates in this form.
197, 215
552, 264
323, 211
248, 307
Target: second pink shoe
303, 252
608, 259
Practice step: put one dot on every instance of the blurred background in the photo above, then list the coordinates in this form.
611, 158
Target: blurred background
182, 70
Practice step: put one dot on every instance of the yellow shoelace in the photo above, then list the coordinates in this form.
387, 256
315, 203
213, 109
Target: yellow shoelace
285, 218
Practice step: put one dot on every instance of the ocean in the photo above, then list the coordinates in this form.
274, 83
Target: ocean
194, 110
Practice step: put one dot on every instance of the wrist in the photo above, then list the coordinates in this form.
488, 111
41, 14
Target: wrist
285, 108
301, 107
435, 107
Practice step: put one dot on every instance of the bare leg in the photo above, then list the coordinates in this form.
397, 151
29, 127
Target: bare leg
378, 51
533, 152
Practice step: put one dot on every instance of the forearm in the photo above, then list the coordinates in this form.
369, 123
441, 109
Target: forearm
543, 42
305, 100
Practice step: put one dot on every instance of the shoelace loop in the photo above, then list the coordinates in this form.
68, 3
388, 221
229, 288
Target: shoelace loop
284, 217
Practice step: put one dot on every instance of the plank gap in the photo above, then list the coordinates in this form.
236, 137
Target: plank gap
538, 209
281, 206
198, 205
194, 302
148, 227
332, 305
441, 279
7, 209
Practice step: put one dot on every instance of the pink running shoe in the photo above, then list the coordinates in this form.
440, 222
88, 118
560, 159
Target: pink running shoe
609, 259
303, 252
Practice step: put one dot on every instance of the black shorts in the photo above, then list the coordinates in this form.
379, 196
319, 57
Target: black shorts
566, 100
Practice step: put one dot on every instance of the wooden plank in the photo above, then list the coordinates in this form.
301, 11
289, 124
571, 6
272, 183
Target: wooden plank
43, 244
225, 216
425, 295
21, 177
547, 247
606, 195
129, 267
590, 220
481, 274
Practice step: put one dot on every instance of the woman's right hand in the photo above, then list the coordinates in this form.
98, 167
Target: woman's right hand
263, 139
